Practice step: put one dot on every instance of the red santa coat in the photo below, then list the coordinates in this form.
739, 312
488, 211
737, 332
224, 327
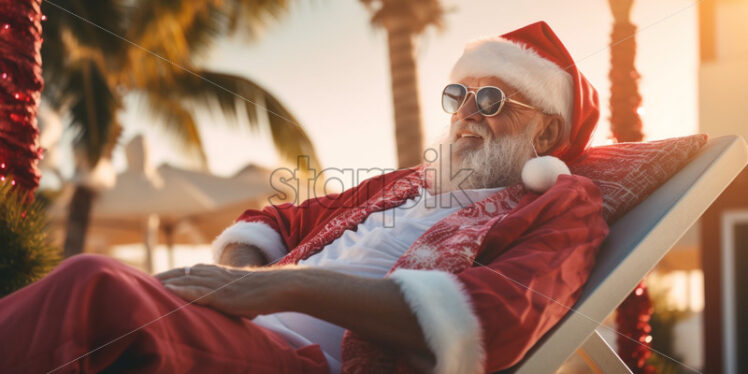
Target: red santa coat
485, 283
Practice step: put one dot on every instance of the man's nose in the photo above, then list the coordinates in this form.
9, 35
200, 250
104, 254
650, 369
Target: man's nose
469, 110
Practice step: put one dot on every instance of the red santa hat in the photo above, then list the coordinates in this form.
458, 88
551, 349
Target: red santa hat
533, 60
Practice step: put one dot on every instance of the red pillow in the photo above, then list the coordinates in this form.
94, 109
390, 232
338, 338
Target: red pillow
628, 173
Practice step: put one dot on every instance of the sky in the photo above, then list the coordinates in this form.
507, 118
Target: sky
330, 67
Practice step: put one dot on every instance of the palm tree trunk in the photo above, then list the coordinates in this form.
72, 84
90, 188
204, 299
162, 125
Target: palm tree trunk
625, 100
79, 213
408, 132
634, 313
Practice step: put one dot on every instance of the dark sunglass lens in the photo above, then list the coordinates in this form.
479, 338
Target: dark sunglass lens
489, 100
452, 97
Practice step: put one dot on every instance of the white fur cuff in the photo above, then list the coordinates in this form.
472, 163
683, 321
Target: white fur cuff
258, 234
445, 314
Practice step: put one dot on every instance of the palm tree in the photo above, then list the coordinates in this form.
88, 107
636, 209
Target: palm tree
625, 100
98, 51
626, 126
404, 20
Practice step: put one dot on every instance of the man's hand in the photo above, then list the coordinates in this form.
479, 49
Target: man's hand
374, 308
241, 255
239, 292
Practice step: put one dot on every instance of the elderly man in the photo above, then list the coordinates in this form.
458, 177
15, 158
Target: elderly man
470, 275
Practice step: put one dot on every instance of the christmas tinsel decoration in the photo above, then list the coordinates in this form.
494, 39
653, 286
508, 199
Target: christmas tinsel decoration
625, 123
633, 315
25, 250
20, 91
632, 318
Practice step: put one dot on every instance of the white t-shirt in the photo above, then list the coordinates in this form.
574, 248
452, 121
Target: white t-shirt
370, 251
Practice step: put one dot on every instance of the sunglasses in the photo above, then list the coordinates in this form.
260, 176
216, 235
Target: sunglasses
489, 99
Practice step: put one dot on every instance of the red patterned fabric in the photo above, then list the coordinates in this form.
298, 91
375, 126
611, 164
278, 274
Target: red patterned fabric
547, 241
314, 223
628, 173
513, 232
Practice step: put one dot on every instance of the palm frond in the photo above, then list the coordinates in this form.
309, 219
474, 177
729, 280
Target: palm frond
181, 31
88, 69
289, 137
179, 123
177, 31
70, 14
251, 17
93, 105
234, 94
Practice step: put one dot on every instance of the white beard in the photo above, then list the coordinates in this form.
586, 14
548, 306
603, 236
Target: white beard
497, 164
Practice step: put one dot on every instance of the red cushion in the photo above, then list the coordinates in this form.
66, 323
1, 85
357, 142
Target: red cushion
628, 173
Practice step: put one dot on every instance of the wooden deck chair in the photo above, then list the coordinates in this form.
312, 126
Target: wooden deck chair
635, 245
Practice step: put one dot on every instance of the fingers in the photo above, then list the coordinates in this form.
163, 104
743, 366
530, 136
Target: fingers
217, 287
194, 280
210, 277
192, 293
199, 269
170, 273
191, 280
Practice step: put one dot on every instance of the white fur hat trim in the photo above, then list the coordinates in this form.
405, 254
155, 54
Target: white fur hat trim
545, 84
540, 173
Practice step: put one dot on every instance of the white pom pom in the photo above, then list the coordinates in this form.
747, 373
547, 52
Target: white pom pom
540, 173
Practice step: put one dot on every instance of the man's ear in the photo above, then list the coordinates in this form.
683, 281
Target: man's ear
550, 133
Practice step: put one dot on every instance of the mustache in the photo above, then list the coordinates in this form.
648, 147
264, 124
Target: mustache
480, 129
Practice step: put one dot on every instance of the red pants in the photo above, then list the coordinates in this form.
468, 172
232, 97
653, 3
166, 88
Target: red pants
92, 303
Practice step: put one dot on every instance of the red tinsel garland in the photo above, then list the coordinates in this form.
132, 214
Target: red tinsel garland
632, 319
625, 100
20, 90
633, 315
